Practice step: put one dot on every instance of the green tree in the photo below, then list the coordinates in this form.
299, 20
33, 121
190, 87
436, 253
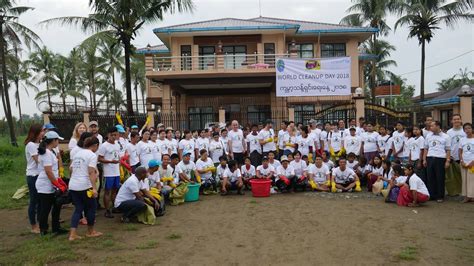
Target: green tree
111, 54
406, 94
382, 49
138, 78
456, 81
77, 79
93, 68
13, 32
424, 17
42, 62
123, 19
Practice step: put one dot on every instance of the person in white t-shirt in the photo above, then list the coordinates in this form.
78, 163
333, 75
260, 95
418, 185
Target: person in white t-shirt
216, 148
319, 175
336, 142
351, 161
202, 142
453, 175
171, 142
187, 144
76, 134
376, 175
35, 134
225, 140
416, 145
324, 137
300, 167
272, 161
232, 179
427, 130
220, 169
205, 167
132, 150
285, 178
162, 144
290, 142
382, 141
466, 156
266, 137
282, 133
248, 172
413, 191
186, 169
353, 143
129, 199
398, 141
344, 178
370, 147
82, 187
122, 140
253, 146
237, 146
145, 149
109, 156
265, 170
305, 142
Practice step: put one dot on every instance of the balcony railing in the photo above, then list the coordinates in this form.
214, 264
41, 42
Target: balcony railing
214, 62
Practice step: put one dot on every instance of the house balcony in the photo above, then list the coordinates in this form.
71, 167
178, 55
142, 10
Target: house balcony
213, 65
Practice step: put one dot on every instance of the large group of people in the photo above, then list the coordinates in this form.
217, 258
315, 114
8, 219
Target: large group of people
142, 170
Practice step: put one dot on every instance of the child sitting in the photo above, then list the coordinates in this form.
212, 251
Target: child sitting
265, 170
326, 161
272, 161
305, 159
300, 167
285, 176
221, 169
232, 179
205, 167
363, 169
393, 188
351, 161
414, 190
248, 172
376, 175
319, 175
344, 178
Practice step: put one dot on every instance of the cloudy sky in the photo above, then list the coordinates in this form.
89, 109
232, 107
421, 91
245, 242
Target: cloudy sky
447, 43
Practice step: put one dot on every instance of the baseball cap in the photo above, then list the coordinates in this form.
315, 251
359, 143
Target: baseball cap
153, 163
134, 126
160, 125
52, 135
284, 158
352, 129
265, 158
169, 128
185, 153
93, 123
49, 126
120, 128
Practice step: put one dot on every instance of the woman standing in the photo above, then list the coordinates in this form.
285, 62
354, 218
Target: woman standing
82, 187
466, 155
78, 130
35, 134
48, 182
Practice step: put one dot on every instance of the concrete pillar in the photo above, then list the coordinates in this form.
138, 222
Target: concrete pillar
221, 115
465, 107
86, 118
435, 114
291, 114
46, 118
219, 64
360, 106
195, 54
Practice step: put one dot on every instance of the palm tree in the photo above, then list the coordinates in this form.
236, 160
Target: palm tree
456, 81
370, 13
111, 53
106, 91
92, 67
17, 34
61, 78
77, 79
138, 76
123, 19
382, 49
42, 62
424, 17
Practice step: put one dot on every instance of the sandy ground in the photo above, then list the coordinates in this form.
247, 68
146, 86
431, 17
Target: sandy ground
297, 229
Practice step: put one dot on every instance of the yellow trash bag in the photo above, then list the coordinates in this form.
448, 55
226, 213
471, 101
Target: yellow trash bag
147, 216
177, 194
357, 188
21, 192
333, 187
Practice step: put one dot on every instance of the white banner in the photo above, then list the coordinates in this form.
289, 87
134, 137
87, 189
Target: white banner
313, 77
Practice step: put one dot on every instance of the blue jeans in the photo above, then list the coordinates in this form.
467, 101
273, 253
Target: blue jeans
82, 203
131, 208
34, 206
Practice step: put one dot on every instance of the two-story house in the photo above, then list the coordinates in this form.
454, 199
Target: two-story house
229, 64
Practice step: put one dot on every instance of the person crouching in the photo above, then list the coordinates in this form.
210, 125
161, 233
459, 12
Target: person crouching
285, 176
232, 179
344, 178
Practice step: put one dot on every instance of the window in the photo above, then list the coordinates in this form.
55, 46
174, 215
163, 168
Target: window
186, 60
304, 113
258, 113
234, 56
445, 117
269, 51
333, 49
207, 57
304, 50
199, 116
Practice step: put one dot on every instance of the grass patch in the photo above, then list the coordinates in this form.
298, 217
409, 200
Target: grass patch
408, 253
453, 238
174, 236
253, 202
148, 245
131, 227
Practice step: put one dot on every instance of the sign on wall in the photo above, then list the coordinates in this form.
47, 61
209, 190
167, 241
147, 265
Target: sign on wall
313, 77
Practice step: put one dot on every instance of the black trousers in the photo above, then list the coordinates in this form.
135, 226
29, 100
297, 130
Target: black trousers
48, 205
255, 158
131, 208
435, 177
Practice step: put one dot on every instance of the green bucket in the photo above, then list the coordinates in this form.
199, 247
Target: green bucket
193, 193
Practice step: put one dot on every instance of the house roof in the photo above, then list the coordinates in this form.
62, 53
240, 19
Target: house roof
155, 49
451, 96
428, 96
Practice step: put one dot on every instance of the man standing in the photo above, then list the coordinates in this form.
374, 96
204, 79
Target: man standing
453, 173
398, 140
266, 138
436, 158
281, 136
315, 135
237, 145
427, 129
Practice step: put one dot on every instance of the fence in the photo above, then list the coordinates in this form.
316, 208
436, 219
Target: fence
65, 123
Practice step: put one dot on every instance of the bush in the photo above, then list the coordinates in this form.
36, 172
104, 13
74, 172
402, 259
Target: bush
6, 165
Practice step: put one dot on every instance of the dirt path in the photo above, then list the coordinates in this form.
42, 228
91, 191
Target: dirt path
302, 229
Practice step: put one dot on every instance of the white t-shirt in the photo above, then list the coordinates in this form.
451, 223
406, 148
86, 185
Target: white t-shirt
456, 137
110, 152
132, 151
467, 146
265, 134
342, 177
417, 184
101, 140
43, 184
388, 146
359, 131
437, 145
186, 169
31, 149
315, 135
232, 176
202, 144
329, 164
370, 141
378, 171
226, 143
154, 178
335, 140
236, 140
304, 144
300, 167
290, 140
324, 137
383, 142
265, 171
172, 145
415, 145
400, 180
80, 164
220, 171
187, 146
72, 143
288, 171
351, 165
162, 146
122, 142
127, 190
275, 163
398, 139
201, 165
281, 136
352, 144
254, 143
145, 152
74, 151
216, 150
318, 175
251, 172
